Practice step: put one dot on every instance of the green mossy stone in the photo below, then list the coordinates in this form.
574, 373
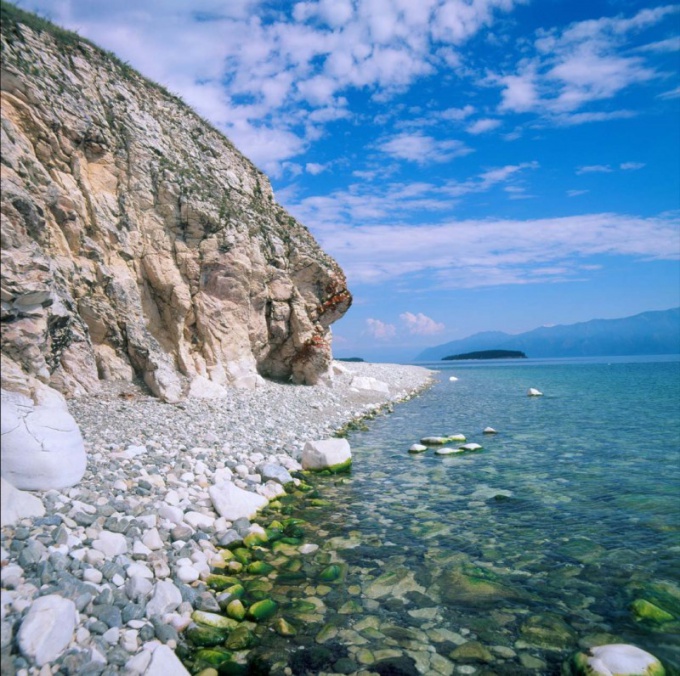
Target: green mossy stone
471, 589
236, 610
276, 525
242, 555
259, 568
211, 658
213, 620
262, 610
301, 607
273, 534
284, 628
548, 631
291, 578
232, 668
220, 582
292, 565
255, 539
203, 636
648, 612
331, 573
240, 639
253, 586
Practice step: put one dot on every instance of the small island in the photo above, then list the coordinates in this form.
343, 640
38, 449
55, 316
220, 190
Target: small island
350, 359
488, 354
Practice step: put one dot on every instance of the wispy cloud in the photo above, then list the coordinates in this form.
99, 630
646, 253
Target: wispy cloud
474, 253
418, 147
482, 126
582, 64
595, 169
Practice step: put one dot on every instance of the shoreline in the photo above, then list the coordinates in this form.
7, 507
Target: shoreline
150, 466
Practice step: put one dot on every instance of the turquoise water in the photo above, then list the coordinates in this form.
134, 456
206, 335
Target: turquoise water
507, 560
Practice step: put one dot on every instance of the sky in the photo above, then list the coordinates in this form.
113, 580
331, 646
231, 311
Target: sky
472, 165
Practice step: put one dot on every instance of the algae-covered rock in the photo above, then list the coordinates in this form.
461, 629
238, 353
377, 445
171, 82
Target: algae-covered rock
617, 659
236, 610
204, 636
548, 631
213, 620
456, 437
254, 539
649, 612
434, 441
207, 658
259, 568
284, 628
262, 610
240, 639
220, 582
331, 573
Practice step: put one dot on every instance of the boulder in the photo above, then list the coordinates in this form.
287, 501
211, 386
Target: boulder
331, 454
164, 662
17, 505
616, 658
233, 502
370, 384
47, 628
42, 447
166, 597
417, 448
533, 392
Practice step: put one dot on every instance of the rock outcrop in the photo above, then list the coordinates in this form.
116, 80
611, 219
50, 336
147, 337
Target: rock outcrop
137, 241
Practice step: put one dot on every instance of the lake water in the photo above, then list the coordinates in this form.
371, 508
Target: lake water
562, 533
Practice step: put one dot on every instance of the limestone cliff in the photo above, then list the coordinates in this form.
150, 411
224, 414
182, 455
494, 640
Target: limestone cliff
136, 240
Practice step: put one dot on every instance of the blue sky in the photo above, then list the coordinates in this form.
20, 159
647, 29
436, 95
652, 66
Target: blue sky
472, 164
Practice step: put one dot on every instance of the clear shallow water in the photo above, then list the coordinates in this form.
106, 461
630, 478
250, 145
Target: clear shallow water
504, 561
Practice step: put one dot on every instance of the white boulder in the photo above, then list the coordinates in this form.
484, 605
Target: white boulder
370, 384
618, 659
16, 505
533, 392
47, 628
471, 447
447, 450
453, 379
417, 448
233, 502
490, 430
110, 544
166, 597
330, 454
164, 662
42, 447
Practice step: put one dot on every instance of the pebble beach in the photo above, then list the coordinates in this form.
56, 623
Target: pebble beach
122, 557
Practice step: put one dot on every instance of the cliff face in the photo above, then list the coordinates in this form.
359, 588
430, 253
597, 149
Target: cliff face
136, 240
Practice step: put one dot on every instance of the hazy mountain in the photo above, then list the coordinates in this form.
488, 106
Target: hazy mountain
656, 332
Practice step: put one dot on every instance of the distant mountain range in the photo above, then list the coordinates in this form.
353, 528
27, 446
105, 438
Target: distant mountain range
656, 332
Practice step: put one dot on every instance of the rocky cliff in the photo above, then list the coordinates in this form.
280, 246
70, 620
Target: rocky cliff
137, 241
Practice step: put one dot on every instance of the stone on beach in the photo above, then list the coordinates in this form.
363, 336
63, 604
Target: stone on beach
370, 384
42, 447
17, 505
533, 392
617, 658
47, 628
233, 502
110, 544
333, 454
271, 471
164, 662
166, 597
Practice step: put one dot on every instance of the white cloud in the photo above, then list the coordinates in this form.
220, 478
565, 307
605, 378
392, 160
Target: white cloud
420, 324
584, 63
595, 169
315, 168
576, 193
632, 166
380, 330
482, 126
670, 94
475, 253
418, 147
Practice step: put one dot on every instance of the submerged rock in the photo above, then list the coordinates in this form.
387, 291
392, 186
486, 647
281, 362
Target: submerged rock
533, 392
618, 659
